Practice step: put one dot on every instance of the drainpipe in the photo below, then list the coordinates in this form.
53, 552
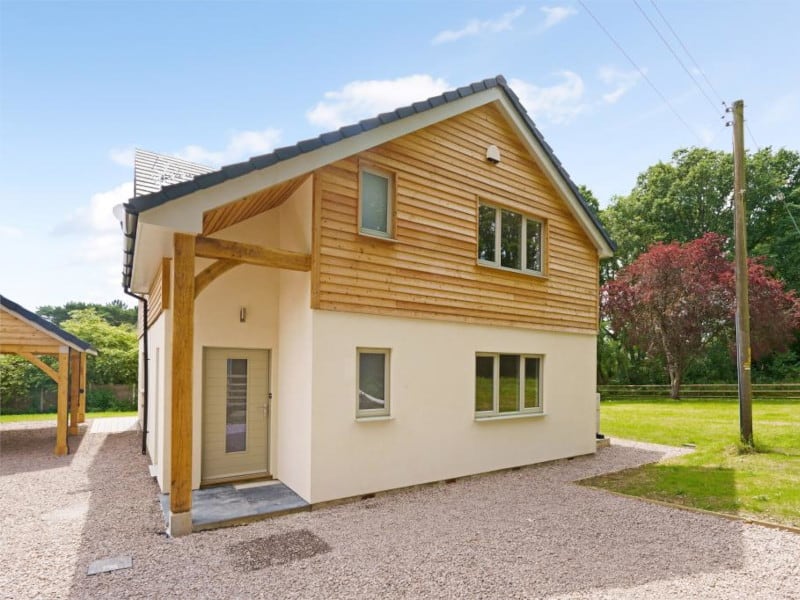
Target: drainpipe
146, 369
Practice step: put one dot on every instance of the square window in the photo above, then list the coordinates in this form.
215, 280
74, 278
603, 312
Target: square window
507, 384
509, 240
372, 396
375, 206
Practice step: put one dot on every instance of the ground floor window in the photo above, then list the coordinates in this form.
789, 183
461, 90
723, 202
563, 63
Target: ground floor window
372, 397
507, 384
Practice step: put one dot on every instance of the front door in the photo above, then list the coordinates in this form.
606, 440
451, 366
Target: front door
235, 413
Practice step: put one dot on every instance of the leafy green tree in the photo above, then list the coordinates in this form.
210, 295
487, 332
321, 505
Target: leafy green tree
117, 346
115, 312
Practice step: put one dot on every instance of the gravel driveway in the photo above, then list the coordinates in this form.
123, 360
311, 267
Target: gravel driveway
529, 533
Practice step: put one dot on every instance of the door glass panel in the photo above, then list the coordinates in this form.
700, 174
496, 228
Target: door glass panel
236, 406
509, 383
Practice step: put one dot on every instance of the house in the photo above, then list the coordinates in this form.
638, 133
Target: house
409, 299
31, 336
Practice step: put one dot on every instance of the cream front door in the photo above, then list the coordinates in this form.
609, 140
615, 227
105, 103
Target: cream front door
235, 413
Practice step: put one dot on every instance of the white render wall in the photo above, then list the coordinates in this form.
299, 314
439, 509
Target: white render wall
432, 433
159, 388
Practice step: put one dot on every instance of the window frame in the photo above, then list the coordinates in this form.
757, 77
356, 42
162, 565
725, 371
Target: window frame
374, 413
522, 410
498, 240
390, 202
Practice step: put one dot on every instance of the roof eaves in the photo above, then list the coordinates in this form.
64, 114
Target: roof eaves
43, 323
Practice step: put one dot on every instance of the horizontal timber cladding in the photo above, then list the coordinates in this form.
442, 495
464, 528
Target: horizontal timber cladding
158, 298
430, 270
16, 332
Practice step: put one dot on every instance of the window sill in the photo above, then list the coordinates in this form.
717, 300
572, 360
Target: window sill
376, 418
530, 415
377, 237
533, 274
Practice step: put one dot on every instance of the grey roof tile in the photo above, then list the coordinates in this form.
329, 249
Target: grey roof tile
171, 192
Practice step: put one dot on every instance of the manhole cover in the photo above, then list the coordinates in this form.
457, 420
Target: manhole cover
278, 549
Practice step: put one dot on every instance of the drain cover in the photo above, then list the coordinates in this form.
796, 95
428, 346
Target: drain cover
106, 565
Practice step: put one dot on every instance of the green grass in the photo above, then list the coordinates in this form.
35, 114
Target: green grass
52, 416
721, 475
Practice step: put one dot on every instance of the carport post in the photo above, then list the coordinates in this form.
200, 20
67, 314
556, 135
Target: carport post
82, 400
74, 390
63, 390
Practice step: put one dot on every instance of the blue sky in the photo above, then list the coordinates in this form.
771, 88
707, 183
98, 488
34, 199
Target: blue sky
82, 83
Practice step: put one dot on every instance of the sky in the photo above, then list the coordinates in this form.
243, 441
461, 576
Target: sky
83, 83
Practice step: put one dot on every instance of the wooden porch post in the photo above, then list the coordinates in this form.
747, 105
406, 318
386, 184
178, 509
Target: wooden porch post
74, 390
180, 496
63, 390
82, 401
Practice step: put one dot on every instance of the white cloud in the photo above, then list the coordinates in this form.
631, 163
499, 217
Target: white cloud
477, 27
559, 103
122, 156
555, 14
241, 145
96, 216
7, 231
621, 81
362, 99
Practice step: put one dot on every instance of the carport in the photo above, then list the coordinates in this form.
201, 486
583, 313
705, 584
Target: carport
30, 336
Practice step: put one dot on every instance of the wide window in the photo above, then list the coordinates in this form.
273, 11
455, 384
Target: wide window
375, 203
507, 384
372, 398
509, 240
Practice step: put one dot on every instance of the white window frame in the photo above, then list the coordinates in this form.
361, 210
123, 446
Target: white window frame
498, 233
390, 185
495, 412
372, 413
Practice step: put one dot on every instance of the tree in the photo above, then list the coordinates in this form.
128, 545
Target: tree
115, 312
675, 300
689, 196
117, 347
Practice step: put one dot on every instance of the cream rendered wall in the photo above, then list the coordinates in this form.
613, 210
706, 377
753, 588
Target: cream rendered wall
216, 321
432, 434
292, 394
158, 421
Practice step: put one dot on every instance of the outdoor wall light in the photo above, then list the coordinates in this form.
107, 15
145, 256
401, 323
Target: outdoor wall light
242, 314
493, 154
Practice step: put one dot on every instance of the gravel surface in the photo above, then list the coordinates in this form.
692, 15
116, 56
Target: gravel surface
530, 533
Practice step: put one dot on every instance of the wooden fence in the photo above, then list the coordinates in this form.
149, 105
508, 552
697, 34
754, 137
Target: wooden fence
763, 391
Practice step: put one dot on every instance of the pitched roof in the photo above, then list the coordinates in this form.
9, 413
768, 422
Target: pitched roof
200, 182
41, 323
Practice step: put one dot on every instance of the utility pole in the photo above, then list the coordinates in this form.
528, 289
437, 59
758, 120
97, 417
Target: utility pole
742, 294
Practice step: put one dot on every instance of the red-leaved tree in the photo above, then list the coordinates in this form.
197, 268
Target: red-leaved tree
674, 299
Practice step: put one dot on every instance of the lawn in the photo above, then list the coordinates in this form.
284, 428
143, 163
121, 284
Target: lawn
720, 475
53, 416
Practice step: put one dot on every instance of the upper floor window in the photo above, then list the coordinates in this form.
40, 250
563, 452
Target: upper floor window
509, 239
375, 203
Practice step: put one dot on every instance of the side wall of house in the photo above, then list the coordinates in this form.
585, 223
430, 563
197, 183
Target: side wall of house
432, 433
292, 395
430, 269
158, 412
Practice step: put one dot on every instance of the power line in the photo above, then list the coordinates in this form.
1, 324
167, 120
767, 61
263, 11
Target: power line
689, 54
680, 62
641, 72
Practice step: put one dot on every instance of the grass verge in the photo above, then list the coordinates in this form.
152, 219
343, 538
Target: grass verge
52, 416
721, 475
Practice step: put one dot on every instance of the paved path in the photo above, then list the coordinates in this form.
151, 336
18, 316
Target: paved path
114, 424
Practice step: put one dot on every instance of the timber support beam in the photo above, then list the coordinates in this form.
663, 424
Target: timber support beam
74, 390
251, 254
180, 496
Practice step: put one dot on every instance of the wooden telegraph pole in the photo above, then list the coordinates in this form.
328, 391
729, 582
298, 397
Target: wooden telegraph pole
742, 294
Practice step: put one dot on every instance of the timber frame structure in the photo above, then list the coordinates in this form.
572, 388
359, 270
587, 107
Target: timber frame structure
30, 336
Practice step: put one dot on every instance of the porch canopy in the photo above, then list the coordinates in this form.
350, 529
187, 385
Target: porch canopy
31, 336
